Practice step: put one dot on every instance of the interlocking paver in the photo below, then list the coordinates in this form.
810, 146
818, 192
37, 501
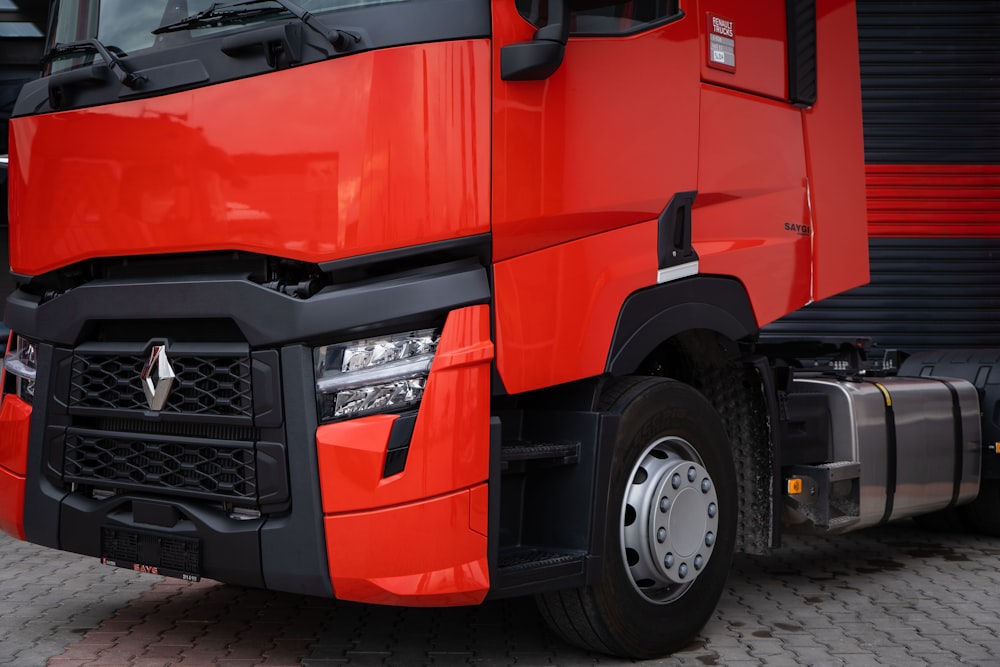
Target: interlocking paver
886, 597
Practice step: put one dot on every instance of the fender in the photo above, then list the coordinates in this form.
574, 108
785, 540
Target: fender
650, 316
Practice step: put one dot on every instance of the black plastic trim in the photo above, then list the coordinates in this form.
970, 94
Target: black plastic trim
769, 382
438, 252
674, 231
494, 497
564, 508
399, 444
293, 546
801, 19
655, 314
41, 497
228, 548
264, 316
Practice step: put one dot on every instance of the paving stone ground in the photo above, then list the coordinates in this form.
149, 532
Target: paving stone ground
888, 596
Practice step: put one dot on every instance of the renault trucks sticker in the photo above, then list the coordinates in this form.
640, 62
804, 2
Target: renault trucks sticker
721, 43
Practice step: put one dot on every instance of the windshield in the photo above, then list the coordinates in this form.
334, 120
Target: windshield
126, 27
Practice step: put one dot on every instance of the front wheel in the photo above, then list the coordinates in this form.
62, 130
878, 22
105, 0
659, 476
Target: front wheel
670, 528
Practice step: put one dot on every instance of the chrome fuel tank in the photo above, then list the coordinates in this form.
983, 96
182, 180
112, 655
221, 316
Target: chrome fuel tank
917, 441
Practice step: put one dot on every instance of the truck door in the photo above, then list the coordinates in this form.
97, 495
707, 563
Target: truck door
583, 163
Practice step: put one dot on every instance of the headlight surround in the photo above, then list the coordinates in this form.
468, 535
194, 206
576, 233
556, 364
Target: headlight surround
21, 361
373, 375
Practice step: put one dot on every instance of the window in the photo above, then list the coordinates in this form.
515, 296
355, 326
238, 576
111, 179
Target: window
606, 17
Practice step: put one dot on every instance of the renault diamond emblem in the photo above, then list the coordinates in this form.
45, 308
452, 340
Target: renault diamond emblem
157, 378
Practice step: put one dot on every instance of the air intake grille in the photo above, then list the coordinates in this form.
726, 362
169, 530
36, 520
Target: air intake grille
205, 385
209, 470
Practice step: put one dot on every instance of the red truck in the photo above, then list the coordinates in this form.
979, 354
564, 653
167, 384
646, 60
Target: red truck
424, 302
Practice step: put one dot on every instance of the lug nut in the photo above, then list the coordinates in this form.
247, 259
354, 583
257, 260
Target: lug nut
664, 504
709, 539
706, 485
668, 561
712, 510
661, 535
675, 481
698, 562
692, 474
682, 570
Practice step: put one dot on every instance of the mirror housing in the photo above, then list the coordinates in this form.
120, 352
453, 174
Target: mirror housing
540, 57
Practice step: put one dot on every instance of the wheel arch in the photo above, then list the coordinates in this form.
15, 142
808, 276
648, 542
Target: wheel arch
654, 315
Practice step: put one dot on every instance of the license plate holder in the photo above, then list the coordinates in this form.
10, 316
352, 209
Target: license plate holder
141, 551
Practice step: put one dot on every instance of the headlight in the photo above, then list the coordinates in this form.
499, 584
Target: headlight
21, 362
373, 375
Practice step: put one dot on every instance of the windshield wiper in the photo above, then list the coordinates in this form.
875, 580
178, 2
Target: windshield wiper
94, 45
219, 14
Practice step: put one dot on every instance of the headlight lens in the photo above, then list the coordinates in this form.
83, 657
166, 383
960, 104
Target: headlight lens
21, 362
373, 375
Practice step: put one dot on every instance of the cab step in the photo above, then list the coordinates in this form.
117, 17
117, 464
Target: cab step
828, 495
519, 566
519, 456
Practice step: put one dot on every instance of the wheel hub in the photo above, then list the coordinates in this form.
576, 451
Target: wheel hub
670, 520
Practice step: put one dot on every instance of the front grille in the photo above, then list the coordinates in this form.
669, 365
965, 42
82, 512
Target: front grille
218, 439
210, 470
205, 385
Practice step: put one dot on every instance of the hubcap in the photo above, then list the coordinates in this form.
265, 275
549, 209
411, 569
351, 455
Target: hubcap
669, 520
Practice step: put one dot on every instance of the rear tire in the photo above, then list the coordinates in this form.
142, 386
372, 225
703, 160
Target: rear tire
670, 529
982, 515
984, 512
951, 520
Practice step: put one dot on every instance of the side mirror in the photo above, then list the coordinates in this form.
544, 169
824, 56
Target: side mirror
539, 58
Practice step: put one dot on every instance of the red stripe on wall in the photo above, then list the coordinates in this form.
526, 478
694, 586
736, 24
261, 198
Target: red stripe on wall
933, 200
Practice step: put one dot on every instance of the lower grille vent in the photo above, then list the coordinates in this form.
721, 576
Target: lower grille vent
178, 429
224, 471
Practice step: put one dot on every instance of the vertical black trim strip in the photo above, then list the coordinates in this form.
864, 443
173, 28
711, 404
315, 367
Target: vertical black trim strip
801, 19
674, 231
956, 418
398, 447
493, 497
891, 455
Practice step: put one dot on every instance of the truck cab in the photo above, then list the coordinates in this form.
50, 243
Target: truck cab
423, 302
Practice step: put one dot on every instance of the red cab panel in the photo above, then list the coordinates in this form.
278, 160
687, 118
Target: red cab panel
556, 309
14, 417
427, 553
751, 222
835, 155
744, 45
227, 167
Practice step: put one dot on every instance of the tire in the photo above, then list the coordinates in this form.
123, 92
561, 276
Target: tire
951, 520
670, 528
981, 516
984, 512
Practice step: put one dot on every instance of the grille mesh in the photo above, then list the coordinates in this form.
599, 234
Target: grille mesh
205, 385
180, 468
